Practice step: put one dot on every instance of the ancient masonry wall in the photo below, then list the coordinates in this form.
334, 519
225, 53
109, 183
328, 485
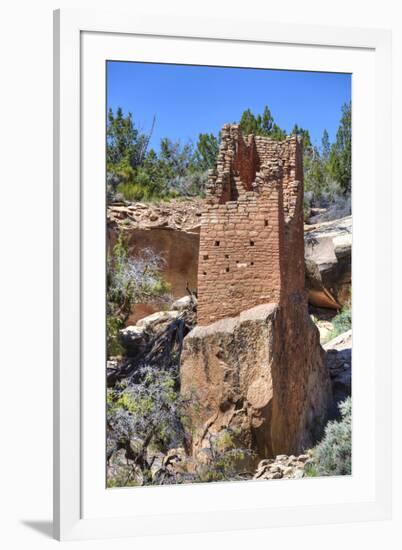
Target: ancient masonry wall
251, 241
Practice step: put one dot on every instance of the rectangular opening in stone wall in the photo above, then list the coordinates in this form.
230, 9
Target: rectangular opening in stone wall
227, 270
251, 243
204, 272
251, 263
226, 256
217, 243
205, 257
265, 223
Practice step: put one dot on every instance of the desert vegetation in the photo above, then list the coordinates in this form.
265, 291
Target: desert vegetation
342, 322
333, 455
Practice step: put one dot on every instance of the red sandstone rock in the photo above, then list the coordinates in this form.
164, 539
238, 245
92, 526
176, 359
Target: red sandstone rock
260, 374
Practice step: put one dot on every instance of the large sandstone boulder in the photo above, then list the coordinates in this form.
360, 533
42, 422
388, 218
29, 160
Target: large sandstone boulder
260, 374
133, 339
155, 320
328, 257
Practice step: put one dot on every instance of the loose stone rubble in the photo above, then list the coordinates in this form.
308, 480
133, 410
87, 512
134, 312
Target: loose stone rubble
282, 467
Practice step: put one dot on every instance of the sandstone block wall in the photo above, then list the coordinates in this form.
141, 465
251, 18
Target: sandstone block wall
251, 240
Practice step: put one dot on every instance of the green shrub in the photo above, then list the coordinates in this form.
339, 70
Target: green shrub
113, 325
145, 413
342, 322
131, 280
333, 455
123, 476
131, 191
306, 207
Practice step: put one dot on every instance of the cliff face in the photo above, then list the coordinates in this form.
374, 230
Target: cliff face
171, 231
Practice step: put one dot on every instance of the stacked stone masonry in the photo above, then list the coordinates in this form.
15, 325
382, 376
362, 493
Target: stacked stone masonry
251, 242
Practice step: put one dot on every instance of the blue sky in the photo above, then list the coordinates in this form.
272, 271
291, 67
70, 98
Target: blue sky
188, 100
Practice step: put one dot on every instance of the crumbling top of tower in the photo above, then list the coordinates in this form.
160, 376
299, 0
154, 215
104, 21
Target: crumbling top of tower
248, 163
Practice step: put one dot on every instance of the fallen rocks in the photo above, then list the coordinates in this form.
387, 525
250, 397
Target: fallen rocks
282, 467
154, 340
136, 338
185, 303
133, 339
122, 472
152, 322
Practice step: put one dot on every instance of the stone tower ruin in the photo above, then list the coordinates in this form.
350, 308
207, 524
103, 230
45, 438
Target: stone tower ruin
253, 365
251, 242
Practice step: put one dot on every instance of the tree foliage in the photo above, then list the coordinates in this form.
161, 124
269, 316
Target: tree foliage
328, 170
206, 152
340, 156
126, 148
261, 125
304, 136
135, 173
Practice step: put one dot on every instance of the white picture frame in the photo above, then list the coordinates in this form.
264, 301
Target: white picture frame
83, 508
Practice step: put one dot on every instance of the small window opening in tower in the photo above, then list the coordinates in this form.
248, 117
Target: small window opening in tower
251, 243
205, 257
217, 243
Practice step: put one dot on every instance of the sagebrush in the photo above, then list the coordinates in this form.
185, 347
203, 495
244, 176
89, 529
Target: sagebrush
333, 455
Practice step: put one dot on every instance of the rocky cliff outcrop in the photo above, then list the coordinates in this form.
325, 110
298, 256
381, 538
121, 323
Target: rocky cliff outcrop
328, 258
182, 215
171, 231
250, 374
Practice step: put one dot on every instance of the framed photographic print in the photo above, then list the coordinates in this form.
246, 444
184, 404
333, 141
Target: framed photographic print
208, 186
